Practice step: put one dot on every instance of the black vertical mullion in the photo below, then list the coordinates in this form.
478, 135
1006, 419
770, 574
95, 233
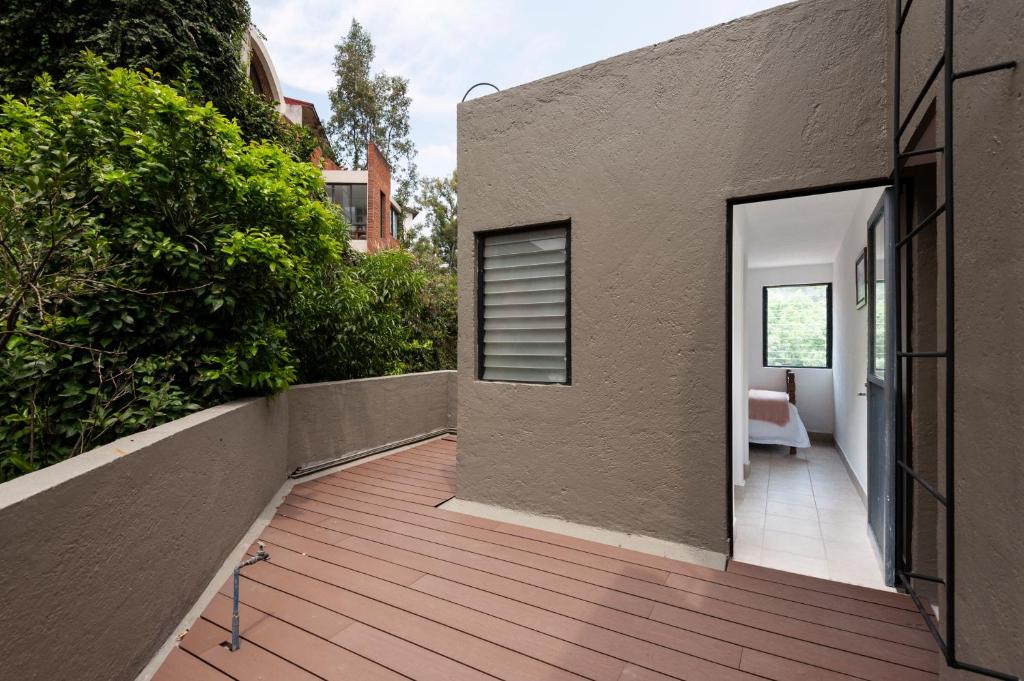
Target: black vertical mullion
479, 307
947, 114
764, 326
828, 312
568, 304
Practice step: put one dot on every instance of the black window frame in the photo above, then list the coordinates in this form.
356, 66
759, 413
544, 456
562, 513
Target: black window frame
828, 326
383, 204
354, 226
480, 238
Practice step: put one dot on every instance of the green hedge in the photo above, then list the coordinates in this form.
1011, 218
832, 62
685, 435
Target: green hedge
153, 263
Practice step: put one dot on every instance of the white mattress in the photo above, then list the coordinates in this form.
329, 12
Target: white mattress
793, 434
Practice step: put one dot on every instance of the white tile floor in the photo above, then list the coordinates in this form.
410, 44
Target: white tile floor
803, 514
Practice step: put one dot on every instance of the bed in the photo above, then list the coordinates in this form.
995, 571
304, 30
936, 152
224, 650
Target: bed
774, 419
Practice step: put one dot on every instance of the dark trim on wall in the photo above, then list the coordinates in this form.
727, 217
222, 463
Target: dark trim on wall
479, 237
810, 191
828, 326
853, 476
729, 204
478, 337
729, 481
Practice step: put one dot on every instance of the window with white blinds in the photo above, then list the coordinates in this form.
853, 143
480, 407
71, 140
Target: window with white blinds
524, 335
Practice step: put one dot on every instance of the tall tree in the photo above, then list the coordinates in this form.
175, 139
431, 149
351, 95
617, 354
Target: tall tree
371, 107
439, 199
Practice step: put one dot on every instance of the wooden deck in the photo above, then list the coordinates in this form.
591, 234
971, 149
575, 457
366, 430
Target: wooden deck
368, 580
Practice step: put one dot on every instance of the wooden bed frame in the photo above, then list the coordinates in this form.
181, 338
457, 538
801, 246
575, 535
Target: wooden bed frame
791, 391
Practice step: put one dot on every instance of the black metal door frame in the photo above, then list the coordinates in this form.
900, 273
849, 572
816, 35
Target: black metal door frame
907, 476
879, 390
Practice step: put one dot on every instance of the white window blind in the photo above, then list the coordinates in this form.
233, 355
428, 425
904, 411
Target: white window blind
524, 306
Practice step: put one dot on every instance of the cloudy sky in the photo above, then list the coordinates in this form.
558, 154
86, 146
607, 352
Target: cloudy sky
444, 46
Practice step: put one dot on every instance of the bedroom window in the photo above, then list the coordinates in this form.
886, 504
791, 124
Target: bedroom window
797, 329
523, 320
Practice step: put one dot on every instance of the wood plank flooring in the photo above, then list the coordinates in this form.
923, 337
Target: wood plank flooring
369, 580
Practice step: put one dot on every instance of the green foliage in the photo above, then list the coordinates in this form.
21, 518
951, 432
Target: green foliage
195, 40
357, 320
797, 326
438, 198
384, 313
149, 261
369, 108
436, 322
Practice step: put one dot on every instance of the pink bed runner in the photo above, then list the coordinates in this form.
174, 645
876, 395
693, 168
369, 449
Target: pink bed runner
769, 405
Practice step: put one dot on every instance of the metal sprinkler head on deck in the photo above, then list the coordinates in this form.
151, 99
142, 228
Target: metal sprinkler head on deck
261, 554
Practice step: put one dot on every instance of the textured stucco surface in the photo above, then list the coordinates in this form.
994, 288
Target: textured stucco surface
329, 420
641, 153
453, 400
103, 554
989, 417
97, 566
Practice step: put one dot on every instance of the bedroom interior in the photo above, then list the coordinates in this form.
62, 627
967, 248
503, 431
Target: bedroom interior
800, 365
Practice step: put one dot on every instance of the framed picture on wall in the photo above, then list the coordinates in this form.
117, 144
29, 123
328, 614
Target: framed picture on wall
861, 273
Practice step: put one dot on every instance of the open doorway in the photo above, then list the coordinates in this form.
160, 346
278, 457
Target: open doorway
802, 290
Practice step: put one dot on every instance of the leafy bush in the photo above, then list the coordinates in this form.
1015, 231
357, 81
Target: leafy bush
437, 323
148, 261
386, 313
195, 40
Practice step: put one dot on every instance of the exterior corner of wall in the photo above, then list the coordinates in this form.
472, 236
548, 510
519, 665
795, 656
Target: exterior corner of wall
453, 400
155, 513
648, 323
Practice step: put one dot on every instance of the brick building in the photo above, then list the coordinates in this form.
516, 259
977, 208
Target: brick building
364, 195
365, 198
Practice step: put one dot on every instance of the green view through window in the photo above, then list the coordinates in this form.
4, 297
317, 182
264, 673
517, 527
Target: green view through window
798, 326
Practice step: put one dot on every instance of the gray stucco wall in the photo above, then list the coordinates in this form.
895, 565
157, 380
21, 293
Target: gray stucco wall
329, 420
989, 257
103, 554
641, 153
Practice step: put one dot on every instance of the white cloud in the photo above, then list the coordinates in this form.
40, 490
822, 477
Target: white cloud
436, 157
444, 46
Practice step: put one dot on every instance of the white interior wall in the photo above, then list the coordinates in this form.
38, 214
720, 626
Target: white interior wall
814, 390
740, 444
850, 343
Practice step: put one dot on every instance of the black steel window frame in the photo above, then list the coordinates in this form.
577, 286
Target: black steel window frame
478, 250
828, 326
353, 226
383, 205
875, 222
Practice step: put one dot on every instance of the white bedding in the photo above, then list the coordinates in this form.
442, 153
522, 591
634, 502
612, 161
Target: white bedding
793, 434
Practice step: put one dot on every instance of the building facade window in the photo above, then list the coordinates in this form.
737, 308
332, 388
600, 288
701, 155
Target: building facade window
396, 222
797, 326
523, 312
382, 213
352, 199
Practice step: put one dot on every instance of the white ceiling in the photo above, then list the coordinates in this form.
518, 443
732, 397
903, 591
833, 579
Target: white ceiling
805, 230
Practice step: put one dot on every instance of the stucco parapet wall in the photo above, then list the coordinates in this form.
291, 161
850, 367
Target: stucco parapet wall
336, 419
104, 553
48, 478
